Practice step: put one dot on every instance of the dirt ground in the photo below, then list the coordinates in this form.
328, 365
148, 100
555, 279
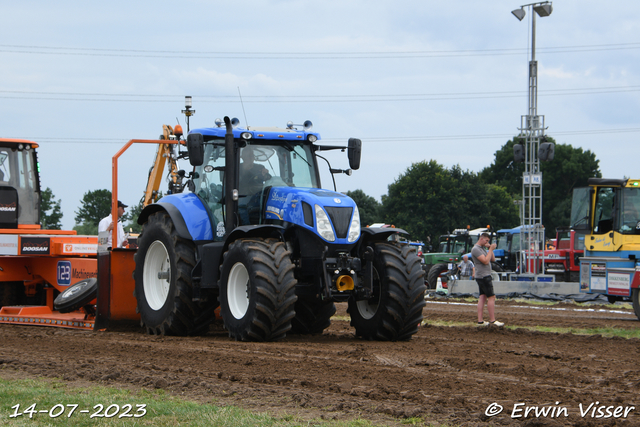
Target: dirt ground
455, 376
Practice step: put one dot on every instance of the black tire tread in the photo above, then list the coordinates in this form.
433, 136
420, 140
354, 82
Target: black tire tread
275, 290
186, 317
496, 267
79, 299
434, 273
403, 300
635, 301
312, 316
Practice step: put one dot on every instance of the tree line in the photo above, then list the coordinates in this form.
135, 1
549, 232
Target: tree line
95, 205
427, 200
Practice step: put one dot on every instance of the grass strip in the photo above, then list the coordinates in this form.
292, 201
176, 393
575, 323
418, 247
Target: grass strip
604, 331
56, 400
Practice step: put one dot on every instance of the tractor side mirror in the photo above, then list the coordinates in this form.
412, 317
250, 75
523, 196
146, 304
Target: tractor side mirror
195, 148
354, 152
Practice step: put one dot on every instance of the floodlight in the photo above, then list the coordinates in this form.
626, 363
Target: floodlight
519, 13
543, 9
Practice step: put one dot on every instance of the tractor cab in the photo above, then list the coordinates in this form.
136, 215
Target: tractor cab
608, 211
266, 169
19, 184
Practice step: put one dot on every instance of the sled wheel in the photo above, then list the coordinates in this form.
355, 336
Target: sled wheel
76, 296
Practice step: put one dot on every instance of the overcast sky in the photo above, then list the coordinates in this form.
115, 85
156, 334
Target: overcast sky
415, 80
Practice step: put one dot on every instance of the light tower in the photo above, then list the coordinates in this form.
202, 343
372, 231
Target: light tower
532, 126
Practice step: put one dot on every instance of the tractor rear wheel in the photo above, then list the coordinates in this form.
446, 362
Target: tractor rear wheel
635, 299
257, 290
164, 289
395, 310
434, 273
312, 316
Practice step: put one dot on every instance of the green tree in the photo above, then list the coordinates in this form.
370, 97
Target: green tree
571, 167
368, 207
95, 206
132, 217
429, 200
86, 229
50, 211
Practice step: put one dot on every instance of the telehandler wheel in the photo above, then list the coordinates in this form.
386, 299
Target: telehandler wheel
312, 316
434, 273
257, 290
395, 311
635, 300
164, 262
76, 296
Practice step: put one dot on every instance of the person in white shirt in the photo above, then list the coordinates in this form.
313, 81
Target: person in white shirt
106, 224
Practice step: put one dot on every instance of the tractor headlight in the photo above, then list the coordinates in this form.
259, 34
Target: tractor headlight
323, 225
354, 228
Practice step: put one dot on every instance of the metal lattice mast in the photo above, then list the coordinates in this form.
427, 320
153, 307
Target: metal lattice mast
532, 127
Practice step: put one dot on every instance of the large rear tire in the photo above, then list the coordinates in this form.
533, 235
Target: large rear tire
434, 273
164, 262
395, 310
635, 300
257, 290
312, 316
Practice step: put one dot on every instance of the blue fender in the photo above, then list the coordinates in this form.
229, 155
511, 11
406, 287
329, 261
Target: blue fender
188, 214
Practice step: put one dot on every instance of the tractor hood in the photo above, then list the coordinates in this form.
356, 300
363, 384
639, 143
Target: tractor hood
310, 208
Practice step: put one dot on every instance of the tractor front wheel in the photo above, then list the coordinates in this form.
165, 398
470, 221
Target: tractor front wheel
434, 273
395, 310
257, 290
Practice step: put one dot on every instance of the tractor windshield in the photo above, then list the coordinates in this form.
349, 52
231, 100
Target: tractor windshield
502, 241
18, 171
262, 164
629, 212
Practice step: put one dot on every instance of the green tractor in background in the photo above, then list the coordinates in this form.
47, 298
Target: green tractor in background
451, 248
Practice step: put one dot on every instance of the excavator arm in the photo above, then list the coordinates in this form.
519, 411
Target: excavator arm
164, 154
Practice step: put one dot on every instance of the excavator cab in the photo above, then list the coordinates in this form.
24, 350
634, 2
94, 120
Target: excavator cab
19, 184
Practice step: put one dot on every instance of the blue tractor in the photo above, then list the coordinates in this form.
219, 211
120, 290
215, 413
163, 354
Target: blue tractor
256, 236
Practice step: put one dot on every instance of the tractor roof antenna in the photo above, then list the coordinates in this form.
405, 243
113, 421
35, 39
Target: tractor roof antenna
243, 112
